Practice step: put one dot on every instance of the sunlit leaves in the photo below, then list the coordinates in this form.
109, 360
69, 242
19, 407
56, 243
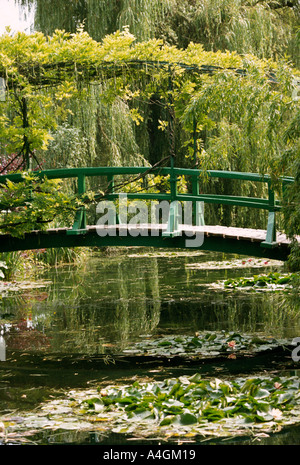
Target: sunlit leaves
266, 29
242, 117
33, 204
68, 62
238, 111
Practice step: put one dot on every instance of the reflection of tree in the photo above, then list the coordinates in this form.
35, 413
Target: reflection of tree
108, 304
22, 330
270, 313
138, 306
102, 307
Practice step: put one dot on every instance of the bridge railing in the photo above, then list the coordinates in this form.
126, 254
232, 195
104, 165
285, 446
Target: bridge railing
269, 204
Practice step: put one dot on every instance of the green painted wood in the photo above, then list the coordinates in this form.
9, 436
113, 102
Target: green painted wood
79, 228
60, 238
138, 196
262, 204
62, 173
79, 225
173, 222
270, 241
198, 215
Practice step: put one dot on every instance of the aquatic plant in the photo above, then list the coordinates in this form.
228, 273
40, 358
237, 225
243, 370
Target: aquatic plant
205, 344
174, 408
271, 280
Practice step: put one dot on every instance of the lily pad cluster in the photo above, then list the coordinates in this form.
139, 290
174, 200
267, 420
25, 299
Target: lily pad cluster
195, 401
271, 280
183, 407
206, 344
235, 263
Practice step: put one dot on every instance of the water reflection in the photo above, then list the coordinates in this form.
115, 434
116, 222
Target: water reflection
66, 334
113, 301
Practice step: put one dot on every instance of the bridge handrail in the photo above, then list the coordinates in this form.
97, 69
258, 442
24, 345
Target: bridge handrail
79, 227
61, 173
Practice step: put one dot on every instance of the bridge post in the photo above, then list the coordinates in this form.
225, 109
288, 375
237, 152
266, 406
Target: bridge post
270, 241
174, 215
198, 216
111, 189
79, 225
81, 191
173, 219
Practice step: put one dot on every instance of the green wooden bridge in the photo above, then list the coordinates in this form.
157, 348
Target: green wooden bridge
173, 233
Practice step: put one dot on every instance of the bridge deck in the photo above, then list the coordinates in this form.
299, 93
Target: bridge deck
216, 238
224, 232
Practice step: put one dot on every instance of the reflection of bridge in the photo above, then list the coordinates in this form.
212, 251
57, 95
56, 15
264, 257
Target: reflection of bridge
261, 243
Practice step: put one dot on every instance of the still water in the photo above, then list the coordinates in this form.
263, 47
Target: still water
71, 329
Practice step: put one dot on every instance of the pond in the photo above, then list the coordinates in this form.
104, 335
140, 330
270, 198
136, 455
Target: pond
75, 328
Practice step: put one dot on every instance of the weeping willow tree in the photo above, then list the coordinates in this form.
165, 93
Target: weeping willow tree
141, 16
236, 106
94, 134
265, 28
227, 110
108, 135
101, 17
105, 128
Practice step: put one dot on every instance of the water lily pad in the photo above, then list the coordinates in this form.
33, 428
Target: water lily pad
175, 406
204, 344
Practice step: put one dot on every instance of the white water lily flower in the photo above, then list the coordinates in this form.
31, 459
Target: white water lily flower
276, 413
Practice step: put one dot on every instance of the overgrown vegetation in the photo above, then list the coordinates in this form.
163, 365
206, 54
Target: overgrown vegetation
33, 204
119, 82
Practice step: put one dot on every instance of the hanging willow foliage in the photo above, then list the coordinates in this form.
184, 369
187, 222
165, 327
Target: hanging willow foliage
267, 29
227, 95
100, 17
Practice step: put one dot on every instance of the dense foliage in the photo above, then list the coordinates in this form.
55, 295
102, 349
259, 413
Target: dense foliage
266, 28
43, 73
120, 96
214, 84
33, 204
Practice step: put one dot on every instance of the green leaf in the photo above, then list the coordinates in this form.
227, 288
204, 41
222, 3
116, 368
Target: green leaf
168, 420
165, 344
285, 397
187, 419
261, 393
213, 414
